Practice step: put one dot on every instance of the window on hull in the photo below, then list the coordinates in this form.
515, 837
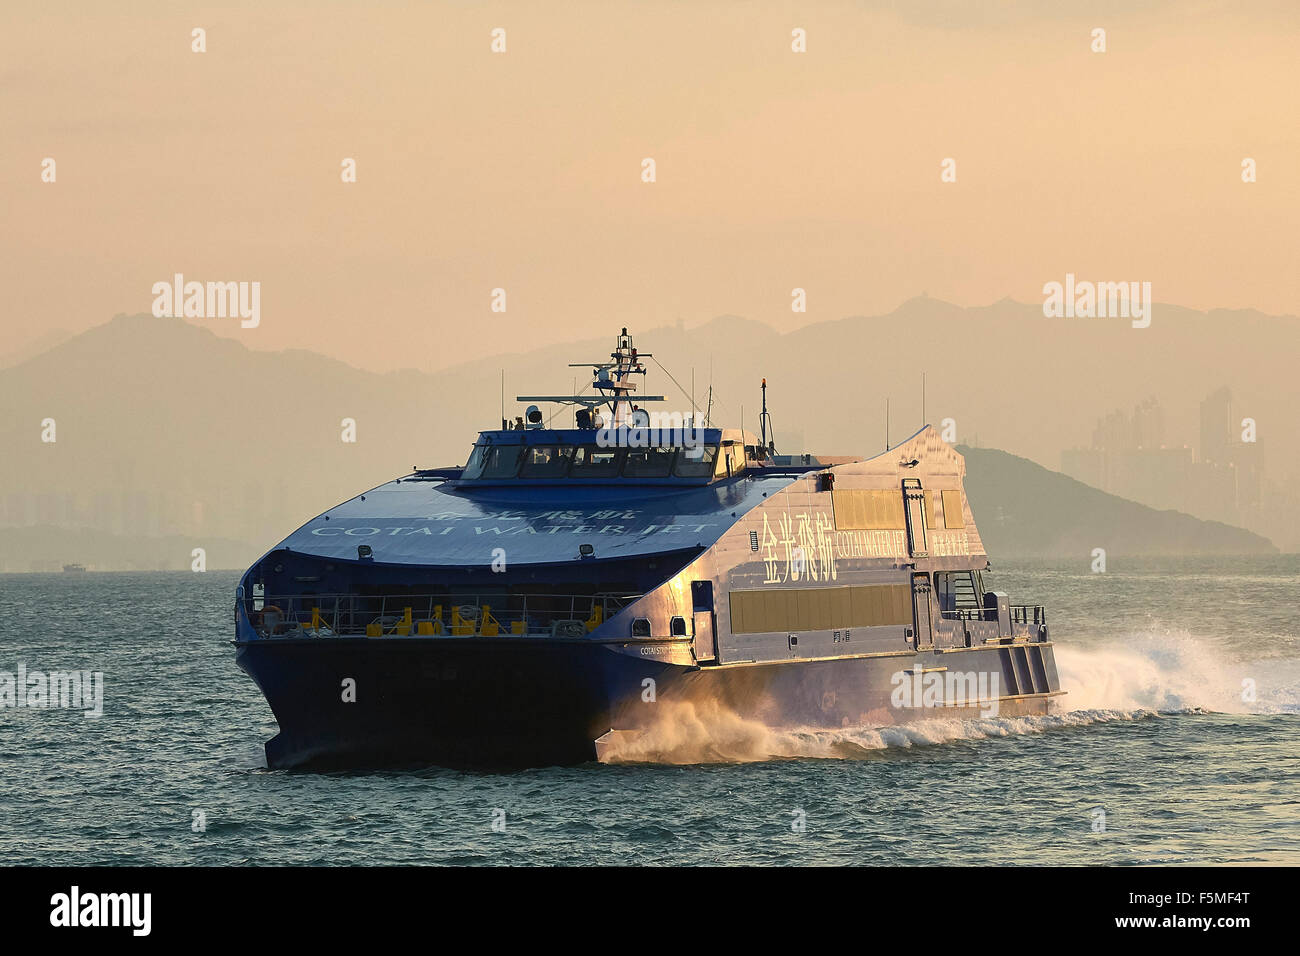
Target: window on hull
811, 609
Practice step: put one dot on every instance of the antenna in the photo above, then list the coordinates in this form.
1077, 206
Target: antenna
886, 424
708, 411
765, 423
503, 398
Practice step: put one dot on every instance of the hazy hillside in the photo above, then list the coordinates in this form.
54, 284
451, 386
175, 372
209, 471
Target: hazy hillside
42, 343
1023, 510
164, 428
171, 429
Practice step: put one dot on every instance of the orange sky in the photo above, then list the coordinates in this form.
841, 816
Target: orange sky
522, 170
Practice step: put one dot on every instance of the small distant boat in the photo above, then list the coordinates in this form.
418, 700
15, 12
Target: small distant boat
74, 567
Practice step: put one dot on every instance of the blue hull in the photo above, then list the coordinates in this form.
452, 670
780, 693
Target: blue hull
443, 701
530, 702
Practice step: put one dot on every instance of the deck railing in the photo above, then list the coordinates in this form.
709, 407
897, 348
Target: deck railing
1020, 614
1028, 614
432, 615
968, 614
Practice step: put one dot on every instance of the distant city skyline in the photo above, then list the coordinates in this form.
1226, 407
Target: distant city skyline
1222, 477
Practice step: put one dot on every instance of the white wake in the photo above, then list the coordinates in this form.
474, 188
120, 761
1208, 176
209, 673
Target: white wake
1135, 678
1172, 672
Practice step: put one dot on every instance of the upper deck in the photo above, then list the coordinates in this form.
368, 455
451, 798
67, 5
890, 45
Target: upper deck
432, 519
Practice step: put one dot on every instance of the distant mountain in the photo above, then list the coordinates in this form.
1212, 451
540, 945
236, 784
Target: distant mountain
1023, 510
164, 428
42, 343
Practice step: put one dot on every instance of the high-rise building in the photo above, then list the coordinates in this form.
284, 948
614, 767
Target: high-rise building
1217, 426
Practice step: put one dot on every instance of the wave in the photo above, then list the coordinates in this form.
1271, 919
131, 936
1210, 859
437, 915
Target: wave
1173, 672
692, 733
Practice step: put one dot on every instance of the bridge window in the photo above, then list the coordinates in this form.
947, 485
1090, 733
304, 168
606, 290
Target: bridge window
695, 462
494, 461
648, 462
546, 461
592, 461
588, 461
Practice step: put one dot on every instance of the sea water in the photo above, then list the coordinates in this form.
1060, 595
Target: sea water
1177, 743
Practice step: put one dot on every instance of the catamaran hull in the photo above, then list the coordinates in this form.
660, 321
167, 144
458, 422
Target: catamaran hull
345, 702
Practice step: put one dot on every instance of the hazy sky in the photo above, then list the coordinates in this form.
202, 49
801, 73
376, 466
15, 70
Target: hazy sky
522, 169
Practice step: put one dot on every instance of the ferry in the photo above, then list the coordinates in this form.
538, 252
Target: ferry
575, 585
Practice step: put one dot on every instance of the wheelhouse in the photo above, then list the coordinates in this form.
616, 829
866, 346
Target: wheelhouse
599, 456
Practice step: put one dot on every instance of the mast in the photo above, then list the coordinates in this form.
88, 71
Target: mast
615, 380
612, 382
765, 423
